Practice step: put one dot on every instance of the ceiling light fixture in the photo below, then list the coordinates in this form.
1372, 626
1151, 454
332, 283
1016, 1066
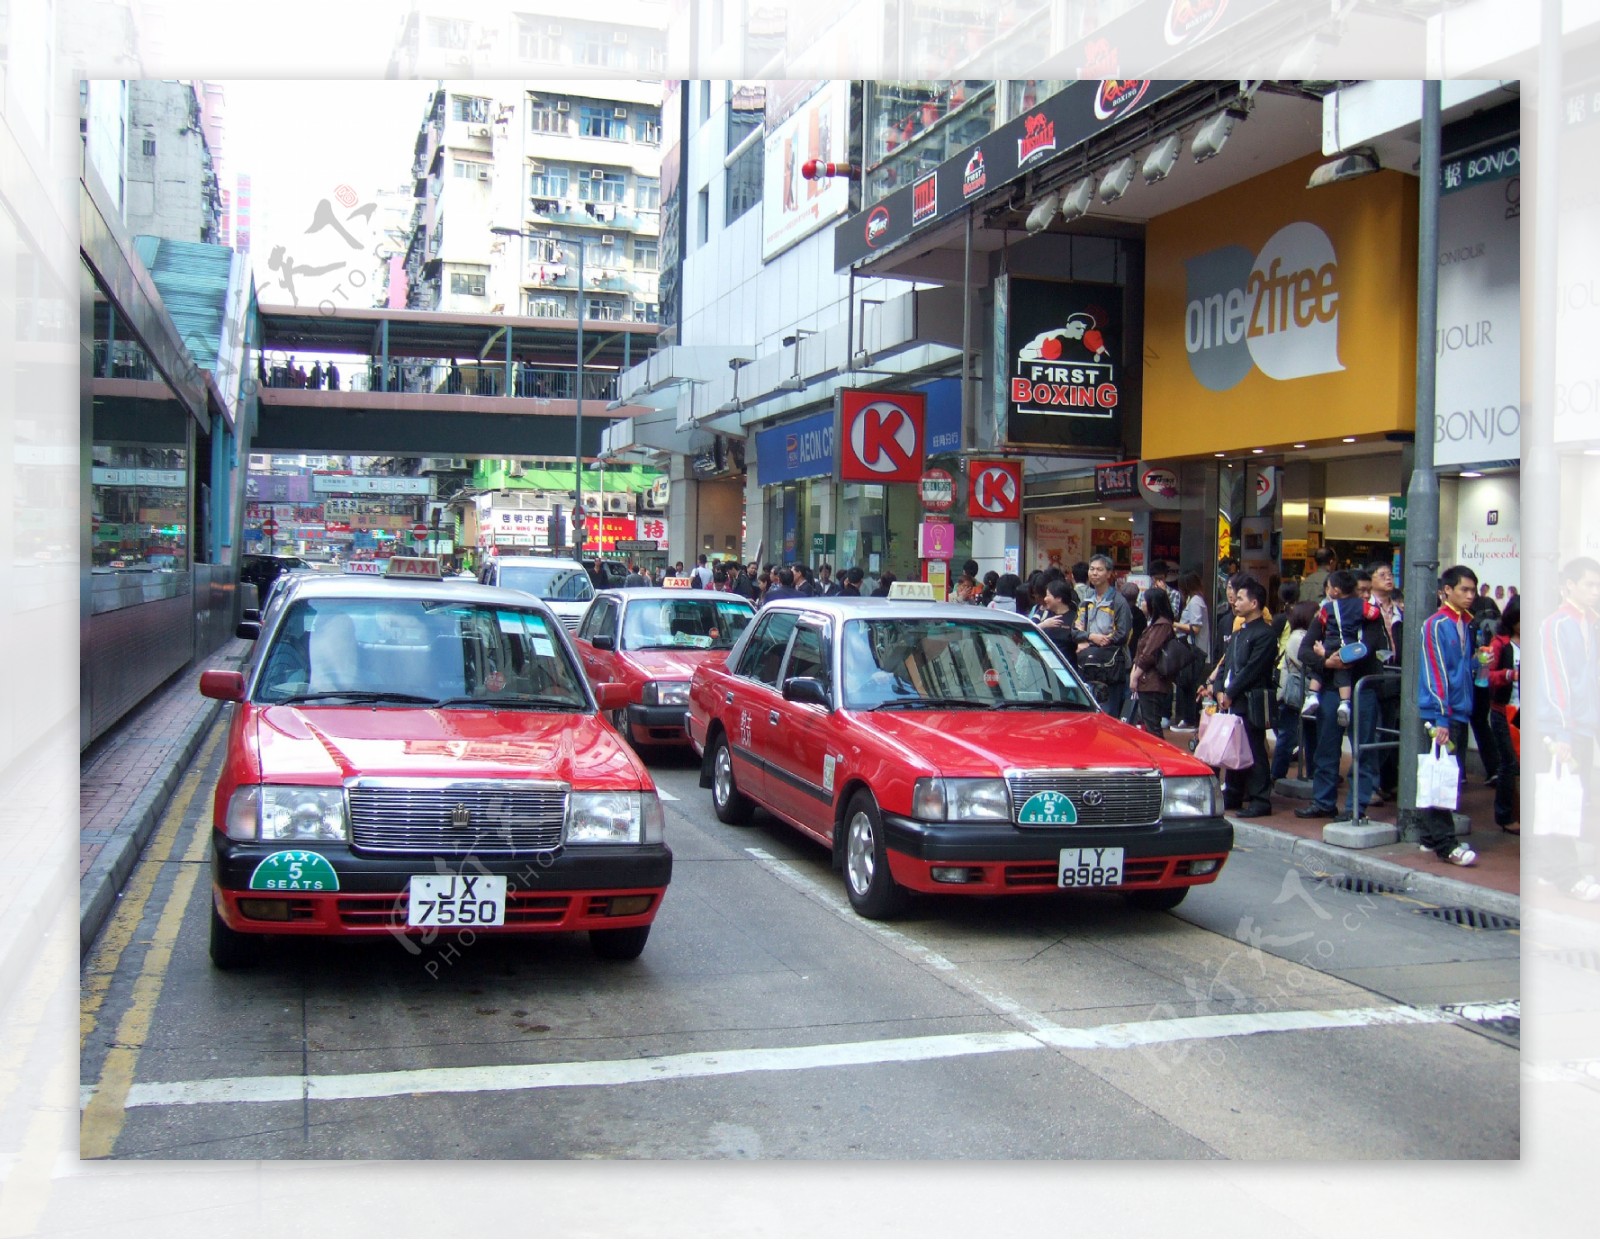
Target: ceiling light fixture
1210, 137
1163, 158
1078, 199
1345, 168
1471, 473
1258, 451
1349, 439
1043, 212
1116, 181
1299, 445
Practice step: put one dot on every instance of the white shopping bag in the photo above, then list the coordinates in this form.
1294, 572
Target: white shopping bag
1438, 779
1558, 803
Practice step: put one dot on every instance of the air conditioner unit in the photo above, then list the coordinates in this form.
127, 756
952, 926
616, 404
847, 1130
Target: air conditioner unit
591, 503
620, 114
597, 174
617, 503
563, 106
483, 174
524, 466
477, 131
607, 239
536, 168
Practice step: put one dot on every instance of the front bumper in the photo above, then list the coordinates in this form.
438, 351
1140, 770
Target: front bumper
1002, 860
658, 725
568, 890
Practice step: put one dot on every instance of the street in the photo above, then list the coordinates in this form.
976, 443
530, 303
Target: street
1272, 1016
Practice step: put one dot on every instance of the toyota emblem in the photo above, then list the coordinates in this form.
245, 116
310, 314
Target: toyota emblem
1094, 797
460, 817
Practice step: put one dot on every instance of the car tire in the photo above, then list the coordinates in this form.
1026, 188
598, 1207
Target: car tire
731, 805
625, 944
1157, 901
872, 890
229, 948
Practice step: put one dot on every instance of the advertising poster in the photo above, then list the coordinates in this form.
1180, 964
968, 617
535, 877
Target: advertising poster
1058, 541
793, 207
1064, 364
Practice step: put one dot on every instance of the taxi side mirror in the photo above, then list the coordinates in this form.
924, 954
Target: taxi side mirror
603, 641
225, 686
611, 695
248, 629
251, 613
807, 689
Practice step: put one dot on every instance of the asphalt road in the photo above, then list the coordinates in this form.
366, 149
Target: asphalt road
1272, 1016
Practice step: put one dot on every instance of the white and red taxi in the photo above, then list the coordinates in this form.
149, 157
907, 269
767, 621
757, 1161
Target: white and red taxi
652, 640
936, 747
422, 758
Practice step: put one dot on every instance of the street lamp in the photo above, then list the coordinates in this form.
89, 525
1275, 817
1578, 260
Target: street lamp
580, 520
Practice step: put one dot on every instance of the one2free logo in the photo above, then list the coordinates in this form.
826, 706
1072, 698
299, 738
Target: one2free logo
1277, 311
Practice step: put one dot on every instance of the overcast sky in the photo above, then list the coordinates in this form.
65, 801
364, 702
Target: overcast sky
301, 141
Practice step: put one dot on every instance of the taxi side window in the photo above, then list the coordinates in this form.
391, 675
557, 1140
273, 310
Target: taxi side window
808, 656
763, 657
601, 619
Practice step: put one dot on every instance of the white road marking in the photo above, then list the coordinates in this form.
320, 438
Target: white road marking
664, 794
502, 1078
1488, 1011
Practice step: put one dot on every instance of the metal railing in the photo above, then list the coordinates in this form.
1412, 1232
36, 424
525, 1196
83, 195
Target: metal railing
1357, 749
441, 376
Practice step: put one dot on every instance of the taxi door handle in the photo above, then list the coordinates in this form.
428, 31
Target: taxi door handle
727, 697
772, 717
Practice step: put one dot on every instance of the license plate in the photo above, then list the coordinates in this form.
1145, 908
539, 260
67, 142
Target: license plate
456, 900
1090, 867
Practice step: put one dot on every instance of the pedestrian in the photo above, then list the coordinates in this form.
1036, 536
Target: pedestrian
804, 585
1329, 632
1316, 582
1244, 689
702, 574
1136, 612
634, 578
1158, 577
1287, 740
1104, 624
1194, 623
1444, 694
1060, 613
316, 375
851, 587
782, 586
991, 583
1485, 626
827, 587
885, 580
1387, 600
1154, 689
1080, 575
968, 588
333, 377
1568, 714
1005, 593
1505, 690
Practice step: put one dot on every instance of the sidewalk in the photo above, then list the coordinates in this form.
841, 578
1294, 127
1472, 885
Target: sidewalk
128, 776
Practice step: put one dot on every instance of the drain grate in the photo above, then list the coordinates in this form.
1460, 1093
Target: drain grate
1475, 919
1574, 958
1362, 886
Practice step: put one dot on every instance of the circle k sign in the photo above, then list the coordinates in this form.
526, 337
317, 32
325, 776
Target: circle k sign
995, 490
882, 436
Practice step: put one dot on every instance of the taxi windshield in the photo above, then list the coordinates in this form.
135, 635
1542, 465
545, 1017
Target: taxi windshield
955, 664
410, 651
568, 584
684, 623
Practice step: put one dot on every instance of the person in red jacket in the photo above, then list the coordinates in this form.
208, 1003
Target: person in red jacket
1505, 710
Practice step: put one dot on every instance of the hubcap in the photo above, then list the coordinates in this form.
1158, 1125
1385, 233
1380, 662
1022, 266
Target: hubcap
722, 776
860, 857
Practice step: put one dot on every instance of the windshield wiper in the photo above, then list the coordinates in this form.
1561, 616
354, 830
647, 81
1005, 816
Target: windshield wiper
1048, 704
510, 703
357, 695
930, 703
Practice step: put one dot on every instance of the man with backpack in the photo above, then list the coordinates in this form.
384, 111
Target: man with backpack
1104, 623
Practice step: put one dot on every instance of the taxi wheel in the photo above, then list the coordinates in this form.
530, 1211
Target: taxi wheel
731, 805
1156, 901
229, 948
872, 890
619, 944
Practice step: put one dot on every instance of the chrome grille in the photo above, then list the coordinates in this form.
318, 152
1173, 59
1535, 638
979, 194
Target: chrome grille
570, 623
1126, 798
445, 816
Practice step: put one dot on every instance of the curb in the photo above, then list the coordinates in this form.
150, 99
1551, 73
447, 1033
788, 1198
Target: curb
1434, 888
100, 888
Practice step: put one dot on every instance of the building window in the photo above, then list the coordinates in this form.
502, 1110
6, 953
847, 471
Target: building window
553, 182
149, 146
470, 169
468, 283
647, 193
602, 308
539, 39
140, 501
746, 108
646, 312
646, 255
599, 49
544, 249
602, 121
606, 187
703, 223
544, 118
449, 33
470, 108
647, 128
545, 307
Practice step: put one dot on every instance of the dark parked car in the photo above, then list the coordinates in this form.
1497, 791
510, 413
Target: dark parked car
262, 570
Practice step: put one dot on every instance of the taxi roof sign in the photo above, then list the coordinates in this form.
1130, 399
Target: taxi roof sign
678, 583
921, 591
415, 567
365, 568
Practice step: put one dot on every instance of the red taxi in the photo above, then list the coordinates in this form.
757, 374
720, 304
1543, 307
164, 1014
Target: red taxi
942, 748
424, 758
652, 641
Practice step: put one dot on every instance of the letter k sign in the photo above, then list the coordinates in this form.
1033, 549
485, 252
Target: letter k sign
883, 436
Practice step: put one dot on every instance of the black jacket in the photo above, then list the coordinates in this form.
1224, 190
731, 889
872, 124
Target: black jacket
1247, 663
1372, 632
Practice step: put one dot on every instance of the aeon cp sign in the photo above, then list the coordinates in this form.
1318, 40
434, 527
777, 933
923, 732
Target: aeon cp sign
882, 436
1277, 311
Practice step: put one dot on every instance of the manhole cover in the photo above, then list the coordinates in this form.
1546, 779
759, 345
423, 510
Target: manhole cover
1472, 918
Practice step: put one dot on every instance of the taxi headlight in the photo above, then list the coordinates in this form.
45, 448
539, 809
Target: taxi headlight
286, 812
961, 800
614, 818
1190, 796
666, 693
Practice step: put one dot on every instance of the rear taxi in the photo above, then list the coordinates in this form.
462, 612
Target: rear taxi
652, 641
936, 747
421, 758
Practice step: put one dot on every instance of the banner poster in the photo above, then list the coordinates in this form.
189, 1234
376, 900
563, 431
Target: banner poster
1065, 356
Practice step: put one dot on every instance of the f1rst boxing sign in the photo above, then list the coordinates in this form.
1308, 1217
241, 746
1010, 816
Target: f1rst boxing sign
881, 436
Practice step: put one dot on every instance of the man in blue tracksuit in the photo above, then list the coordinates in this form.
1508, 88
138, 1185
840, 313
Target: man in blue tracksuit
1567, 711
1444, 693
